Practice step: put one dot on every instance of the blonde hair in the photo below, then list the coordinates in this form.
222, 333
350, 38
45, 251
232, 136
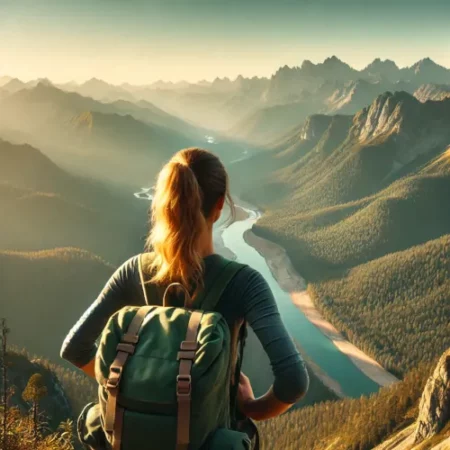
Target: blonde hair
187, 189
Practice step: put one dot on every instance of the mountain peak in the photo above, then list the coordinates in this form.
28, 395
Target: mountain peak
333, 60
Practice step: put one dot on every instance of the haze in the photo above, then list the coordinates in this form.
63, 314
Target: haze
142, 41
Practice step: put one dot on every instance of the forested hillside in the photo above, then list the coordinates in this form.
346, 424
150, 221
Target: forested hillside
358, 424
45, 207
359, 208
48, 290
407, 291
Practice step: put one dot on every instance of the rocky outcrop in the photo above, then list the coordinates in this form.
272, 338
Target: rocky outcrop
398, 119
314, 127
434, 409
434, 414
436, 92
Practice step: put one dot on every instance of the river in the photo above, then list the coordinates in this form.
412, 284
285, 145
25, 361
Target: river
318, 347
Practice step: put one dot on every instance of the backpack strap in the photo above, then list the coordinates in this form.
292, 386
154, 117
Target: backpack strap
186, 355
114, 413
208, 299
156, 293
141, 277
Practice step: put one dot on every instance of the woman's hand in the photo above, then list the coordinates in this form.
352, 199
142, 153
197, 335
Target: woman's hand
245, 393
262, 408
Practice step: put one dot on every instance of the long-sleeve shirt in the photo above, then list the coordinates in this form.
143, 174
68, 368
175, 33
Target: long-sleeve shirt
247, 296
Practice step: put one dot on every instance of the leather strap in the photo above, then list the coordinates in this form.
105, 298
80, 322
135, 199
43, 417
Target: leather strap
118, 427
141, 277
208, 298
187, 296
188, 349
113, 413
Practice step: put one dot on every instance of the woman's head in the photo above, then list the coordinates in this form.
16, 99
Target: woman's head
190, 192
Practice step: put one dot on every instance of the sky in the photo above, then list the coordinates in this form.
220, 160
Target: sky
141, 41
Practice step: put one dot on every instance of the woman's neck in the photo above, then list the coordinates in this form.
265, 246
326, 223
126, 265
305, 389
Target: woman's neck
206, 243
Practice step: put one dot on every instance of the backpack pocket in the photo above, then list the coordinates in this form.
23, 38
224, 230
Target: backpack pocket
226, 439
90, 430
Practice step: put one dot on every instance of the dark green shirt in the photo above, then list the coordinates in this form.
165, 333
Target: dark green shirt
247, 296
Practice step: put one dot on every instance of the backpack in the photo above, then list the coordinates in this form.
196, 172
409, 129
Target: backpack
166, 374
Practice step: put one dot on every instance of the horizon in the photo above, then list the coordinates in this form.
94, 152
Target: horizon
218, 77
144, 42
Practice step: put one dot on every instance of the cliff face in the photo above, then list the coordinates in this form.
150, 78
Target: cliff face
434, 409
430, 429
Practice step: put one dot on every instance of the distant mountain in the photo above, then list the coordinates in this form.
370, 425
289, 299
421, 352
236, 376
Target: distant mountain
101, 90
426, 70
4, 79
13, 85
270, 123
390, 134
432, 92
110, 139
45, 207
382, 70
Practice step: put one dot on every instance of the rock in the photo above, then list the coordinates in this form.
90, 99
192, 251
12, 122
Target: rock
434, 409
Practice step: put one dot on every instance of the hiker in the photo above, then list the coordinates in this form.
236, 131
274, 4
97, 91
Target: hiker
169, 360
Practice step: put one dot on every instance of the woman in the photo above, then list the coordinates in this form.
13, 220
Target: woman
190, 194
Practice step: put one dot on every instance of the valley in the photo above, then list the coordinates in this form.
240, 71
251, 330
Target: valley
341, 179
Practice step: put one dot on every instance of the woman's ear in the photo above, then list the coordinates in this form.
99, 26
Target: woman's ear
218, 208
220, 203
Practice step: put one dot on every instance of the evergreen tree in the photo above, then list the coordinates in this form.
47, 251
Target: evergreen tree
34, 392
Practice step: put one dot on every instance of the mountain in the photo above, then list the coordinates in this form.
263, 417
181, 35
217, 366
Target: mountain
382, 70
426, 70
397, 125
13, 85
54, 283
271, 123
101, 90
357, 203
435, 92
71, 129
45, 207
4, 79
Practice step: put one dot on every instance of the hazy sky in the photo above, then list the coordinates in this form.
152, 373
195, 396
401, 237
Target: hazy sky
140, 41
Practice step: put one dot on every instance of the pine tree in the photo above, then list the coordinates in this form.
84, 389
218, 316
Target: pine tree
34, 392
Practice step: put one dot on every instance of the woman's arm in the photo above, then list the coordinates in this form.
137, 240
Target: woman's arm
79, 347
262, 408
291, 377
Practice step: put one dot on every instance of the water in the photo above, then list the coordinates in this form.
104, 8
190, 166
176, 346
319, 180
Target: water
317, 346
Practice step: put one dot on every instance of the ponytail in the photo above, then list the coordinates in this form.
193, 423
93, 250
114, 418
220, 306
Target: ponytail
178, 222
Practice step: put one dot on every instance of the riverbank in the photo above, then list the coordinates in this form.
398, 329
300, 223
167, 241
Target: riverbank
290, 281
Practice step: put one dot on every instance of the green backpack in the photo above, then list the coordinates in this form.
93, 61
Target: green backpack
165, 373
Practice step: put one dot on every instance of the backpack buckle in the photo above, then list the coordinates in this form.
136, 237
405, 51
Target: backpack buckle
115, 374
184, 385
188, 346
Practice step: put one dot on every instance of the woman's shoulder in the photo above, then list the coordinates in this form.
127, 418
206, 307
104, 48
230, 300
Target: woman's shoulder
248, 280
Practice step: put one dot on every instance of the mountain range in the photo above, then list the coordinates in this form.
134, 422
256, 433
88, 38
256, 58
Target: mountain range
350, 169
